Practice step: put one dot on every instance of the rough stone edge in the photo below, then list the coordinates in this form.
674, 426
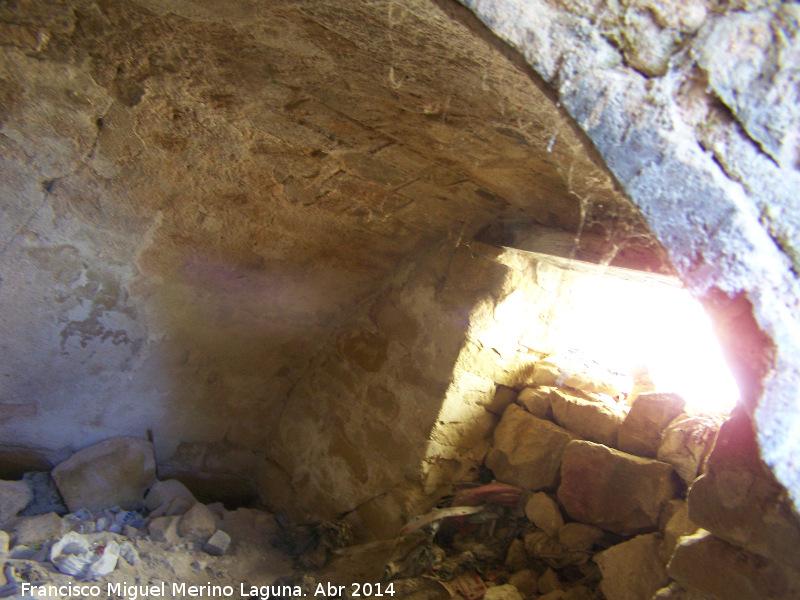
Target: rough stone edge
670, 177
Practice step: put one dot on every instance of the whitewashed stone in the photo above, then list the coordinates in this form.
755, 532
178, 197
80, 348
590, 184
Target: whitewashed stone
114, 472
632, 570
527, 451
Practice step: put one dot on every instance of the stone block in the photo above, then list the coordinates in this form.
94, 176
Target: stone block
739, 501
711, 566
579, 537
217, 544
640, 432
676, 525
632, 570
34, 531
686, 443
14, 497
163, 492
544, 512
614, 490
198, 524
592, 419
114, 472
164, 529
503, 396
527, 451
536, 401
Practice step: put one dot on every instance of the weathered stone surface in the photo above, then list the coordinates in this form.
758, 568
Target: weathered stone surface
164, 529
503, 396
711, 566
536, 401
579, 537
198, 524
516, 557
687, 442
527, 451
544, 512
14, 496
640, 432
549, 582
4, 541
217, 544
614, 490
676, 525
163, 492
632, 570
114, 472
35, 530
591, 419
738, 500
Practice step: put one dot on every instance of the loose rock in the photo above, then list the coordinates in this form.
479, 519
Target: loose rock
4, 541
114, 472
502, 592
632, 570
614, 490
198, 524
543, 512
14, 497
536, 400
592, 419
687, 442
579, 537
711, 566
164, 529
217, 544
46, 498
34, 531
640, 432
163, 492
527, 451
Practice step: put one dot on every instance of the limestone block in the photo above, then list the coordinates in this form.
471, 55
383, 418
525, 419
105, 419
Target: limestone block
591, 419
217, 544
503, 396
686, 443
614, 490
675, 526
34, 531
640, 432
543, 512
114, 472
164, 529
198, 524
165, 491
527, 451
579, 537
709, 565
536, 401
632, 570
739, 500
14, 496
